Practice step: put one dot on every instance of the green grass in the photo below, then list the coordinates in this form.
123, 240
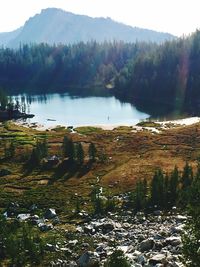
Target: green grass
148, 124
85, 130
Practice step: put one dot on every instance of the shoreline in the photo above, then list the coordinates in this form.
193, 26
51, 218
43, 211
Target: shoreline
110, 127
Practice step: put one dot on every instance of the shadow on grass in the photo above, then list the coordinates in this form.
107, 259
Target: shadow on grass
68, 169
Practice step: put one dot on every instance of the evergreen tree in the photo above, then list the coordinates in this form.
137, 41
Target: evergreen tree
187, 176
34, 158
96, 200
166, 192
68, 148
92, 152
191, 249
79, 154
3, 99
157, 189
173, 187
43, 148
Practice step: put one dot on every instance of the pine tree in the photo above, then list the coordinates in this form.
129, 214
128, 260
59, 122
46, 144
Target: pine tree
68, 148
173, 187
92, 152
157, 189
96, 200
187, 176
79, 154
43, 147
191, 249
166, 192
34, 158
3, 99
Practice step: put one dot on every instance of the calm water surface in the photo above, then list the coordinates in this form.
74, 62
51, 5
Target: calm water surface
56, 109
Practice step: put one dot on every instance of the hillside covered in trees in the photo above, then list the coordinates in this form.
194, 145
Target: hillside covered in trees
166, 75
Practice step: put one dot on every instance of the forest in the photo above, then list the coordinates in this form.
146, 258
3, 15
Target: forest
44, 68
166, 74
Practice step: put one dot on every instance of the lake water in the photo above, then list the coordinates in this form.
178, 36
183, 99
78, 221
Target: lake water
56, 109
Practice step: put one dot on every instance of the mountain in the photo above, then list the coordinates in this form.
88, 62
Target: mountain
54, 26
7, 37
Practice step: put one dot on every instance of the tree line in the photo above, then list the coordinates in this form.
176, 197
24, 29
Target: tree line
166, 74
45, 68
73, 152
164, 191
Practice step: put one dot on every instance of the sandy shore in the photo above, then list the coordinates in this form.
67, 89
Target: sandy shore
164, 124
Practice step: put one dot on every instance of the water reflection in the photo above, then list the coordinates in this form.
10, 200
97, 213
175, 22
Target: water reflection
64, 109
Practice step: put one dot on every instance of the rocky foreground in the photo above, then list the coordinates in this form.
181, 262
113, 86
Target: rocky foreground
149, 241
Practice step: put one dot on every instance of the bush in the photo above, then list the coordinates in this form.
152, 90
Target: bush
117, 259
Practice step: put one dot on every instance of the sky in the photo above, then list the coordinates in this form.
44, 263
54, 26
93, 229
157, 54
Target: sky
174, 16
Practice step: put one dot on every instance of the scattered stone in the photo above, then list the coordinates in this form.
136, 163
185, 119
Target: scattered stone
173, 241
50, 214
177, 229
12, 209
89, 259
146, 245
141, 259
159, 258
72, 264
56, 220
157, 212
73, 243
33, 208
50, 247
45, 227
23, 217
181, 218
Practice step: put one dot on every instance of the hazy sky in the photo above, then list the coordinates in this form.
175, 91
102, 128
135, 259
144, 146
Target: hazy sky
175, 16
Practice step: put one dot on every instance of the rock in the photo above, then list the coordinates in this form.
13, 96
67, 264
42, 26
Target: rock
23, 216
73, 243
173, 241
88, 259
35, 220
177, 229
50, 247
66, 251
85, 245
72, 264
157, 212
136, 253
159, 258
56, 220
45, 227
88, 229
146, 245
180, 218
107, 227
33, 208
141, 259
140, 216
177, 264
12, 209
79, 229
50, 214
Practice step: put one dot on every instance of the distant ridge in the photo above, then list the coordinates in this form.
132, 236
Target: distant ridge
55, 26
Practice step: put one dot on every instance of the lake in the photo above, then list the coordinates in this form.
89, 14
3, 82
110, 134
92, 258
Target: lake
57, 109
